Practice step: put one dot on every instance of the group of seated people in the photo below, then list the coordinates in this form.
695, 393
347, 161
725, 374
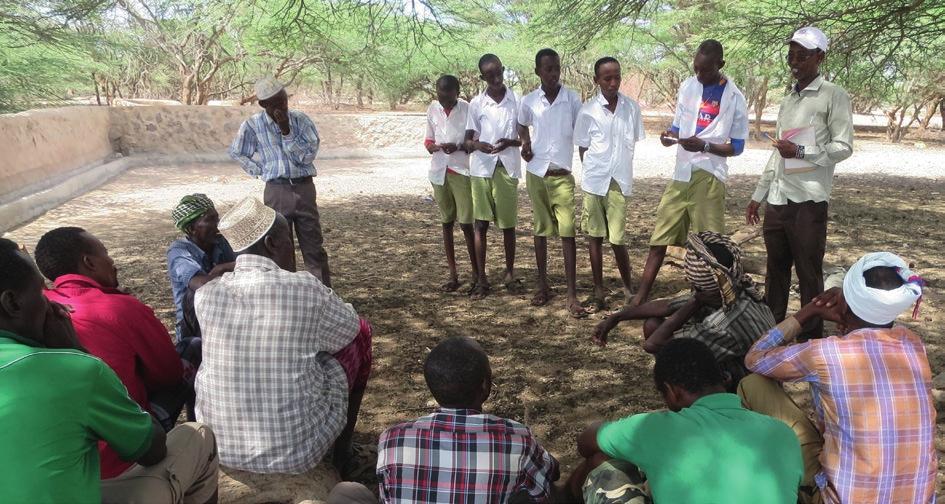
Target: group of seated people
271, 367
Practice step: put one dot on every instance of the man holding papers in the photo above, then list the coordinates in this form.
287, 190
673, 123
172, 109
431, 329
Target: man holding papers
814, 133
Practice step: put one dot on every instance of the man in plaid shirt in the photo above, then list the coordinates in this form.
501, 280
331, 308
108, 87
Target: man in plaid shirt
458, 453
871, 389
285, 360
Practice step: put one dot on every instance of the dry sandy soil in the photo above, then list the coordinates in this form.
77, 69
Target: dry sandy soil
387, 261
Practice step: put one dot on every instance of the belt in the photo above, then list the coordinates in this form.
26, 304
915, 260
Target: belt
290, 181
557, 172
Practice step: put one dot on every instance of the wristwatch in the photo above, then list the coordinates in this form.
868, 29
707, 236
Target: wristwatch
705, 146
800, 152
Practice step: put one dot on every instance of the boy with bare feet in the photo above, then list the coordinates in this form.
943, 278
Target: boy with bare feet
551, 110
449, 171
494, 166
606, 132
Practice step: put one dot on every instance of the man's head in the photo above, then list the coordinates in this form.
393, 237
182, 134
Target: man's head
458, 374
74, 251
806, 51
253, 228
708, 62
548, 68
272, 96
713, 268
23, 307
607, 76
447, 90
876, 289
196, 216
686, 370
492, 72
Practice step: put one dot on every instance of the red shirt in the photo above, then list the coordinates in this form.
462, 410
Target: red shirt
124, 333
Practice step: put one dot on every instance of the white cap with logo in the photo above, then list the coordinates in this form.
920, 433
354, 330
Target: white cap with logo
810, 37
267, 87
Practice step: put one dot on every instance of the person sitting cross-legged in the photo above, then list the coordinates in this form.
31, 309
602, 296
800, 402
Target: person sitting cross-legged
724, 310
458, 453
705, 449
285, 360
115, 327
871, 388
57, 402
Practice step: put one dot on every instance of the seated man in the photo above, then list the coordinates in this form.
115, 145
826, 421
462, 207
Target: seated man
871, 388
458, 453
115, 327
200, 256
285, 360
706, 449
57, 402
724, 311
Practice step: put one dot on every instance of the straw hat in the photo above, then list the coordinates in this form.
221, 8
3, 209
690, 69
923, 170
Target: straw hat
246, 223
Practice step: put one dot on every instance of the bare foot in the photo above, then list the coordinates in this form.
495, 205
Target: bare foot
595, 303
542, 295
576, 310
481, 291
472, 287
450, 286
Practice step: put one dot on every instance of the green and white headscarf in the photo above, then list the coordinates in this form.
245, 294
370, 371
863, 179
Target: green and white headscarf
190, 208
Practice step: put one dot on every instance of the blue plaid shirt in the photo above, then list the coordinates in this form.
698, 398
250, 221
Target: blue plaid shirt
279, 156
186, 260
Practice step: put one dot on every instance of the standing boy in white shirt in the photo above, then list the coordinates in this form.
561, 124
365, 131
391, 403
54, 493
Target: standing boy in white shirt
606, 132
494, 167
551, 110
449, 171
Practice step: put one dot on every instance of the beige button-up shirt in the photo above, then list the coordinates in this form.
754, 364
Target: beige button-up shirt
826, 107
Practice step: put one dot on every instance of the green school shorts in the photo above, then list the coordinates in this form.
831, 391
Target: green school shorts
605, 216
496, 199
697, 205
552, 204
454, 198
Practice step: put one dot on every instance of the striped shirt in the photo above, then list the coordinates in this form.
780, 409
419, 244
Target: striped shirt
458, 455
268, 386
873, 400
279, 156
729, 334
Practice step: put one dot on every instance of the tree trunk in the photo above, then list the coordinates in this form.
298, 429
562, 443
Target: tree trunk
186, 88
761, 100
98, 96
359, 87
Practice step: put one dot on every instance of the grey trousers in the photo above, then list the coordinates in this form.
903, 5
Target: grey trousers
296, 203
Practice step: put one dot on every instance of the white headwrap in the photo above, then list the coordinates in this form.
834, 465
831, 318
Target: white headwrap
878, 306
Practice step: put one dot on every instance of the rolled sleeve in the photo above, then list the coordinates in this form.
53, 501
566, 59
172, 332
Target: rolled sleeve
783, 363
243, 148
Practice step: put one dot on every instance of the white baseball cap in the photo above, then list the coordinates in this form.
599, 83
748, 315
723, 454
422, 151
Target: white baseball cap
810, 37
267, 87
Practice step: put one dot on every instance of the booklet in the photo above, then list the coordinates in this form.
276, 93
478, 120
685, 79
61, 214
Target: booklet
800, 136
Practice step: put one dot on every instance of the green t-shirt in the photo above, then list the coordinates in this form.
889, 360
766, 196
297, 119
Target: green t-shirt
55, 405
712, 452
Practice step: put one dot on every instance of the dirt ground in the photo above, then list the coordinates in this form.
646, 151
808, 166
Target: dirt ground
387, 260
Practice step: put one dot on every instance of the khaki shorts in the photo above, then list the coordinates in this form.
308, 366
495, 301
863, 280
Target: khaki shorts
697, 205
552, 204
454, 198
615, 482
605, 216
496, 199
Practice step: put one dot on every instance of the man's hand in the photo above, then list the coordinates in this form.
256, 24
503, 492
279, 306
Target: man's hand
829, 305
602, 330
222, 268
448, 148
527, 153
501, 145
57, 328
432, 147
483, 147
786, 148
692, 144
751, 213
665, 138
282, 119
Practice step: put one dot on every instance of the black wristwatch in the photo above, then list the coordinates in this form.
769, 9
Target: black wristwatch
800, 152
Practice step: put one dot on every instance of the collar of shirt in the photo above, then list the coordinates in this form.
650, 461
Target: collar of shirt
488, 101
249, 262
562, 97
23, 340
813, 86
458, 411
81, 281
717, 401
603, 101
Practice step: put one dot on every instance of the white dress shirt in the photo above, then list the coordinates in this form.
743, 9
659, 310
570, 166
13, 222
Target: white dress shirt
492, 121
553, 123
610, 139
447, 128
732, 122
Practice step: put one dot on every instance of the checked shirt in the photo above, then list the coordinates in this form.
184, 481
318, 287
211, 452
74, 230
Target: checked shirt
873, 399
268, 386
458, 455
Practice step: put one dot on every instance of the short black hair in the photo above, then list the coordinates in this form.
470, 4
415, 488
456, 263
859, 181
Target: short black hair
60, 251
488, 58
722, 254
711, 48
449, 82
455, 371
544, 53
883, 277
16, 269
686, 363
603, 61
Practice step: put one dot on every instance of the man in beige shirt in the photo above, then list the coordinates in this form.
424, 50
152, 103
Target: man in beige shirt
798, 178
